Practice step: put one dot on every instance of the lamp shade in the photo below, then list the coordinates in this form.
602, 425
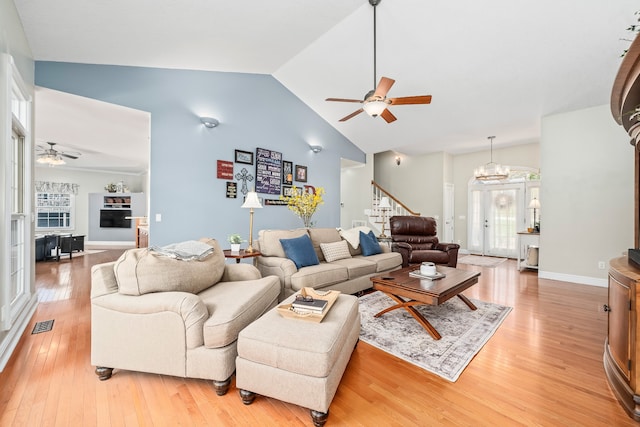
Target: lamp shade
384, 203
534, 204
251, 201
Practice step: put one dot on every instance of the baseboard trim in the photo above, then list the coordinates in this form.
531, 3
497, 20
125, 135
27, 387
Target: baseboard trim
582, 280
13, 336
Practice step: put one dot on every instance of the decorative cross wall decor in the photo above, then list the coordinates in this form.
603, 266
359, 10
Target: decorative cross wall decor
244, 176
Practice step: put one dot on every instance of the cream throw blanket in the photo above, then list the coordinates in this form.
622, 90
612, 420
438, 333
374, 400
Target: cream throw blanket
352, 235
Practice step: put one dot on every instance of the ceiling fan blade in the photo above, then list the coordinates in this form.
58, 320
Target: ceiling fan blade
388, 116
68, 155
355, 113
383, 87
343, 100
406, 100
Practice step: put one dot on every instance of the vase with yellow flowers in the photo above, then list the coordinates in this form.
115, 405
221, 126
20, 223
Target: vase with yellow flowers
304, 203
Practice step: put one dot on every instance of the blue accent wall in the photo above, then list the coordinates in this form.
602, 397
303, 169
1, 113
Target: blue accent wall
254, 111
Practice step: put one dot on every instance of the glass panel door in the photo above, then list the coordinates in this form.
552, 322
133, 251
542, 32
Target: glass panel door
495, 211
501, 206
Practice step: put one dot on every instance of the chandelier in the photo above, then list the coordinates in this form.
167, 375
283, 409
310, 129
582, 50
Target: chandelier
491, 171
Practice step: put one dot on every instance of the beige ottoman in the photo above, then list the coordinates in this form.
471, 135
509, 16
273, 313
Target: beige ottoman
298, 361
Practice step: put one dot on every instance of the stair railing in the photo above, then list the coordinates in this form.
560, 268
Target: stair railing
377, 216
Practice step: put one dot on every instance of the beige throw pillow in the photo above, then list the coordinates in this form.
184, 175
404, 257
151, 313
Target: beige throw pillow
335, 251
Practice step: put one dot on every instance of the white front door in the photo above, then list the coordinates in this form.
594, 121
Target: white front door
495, 212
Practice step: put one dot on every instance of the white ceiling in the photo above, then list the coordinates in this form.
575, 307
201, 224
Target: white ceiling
493, 68
106, 137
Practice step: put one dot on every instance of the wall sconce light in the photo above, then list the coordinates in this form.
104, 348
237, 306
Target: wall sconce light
398, 160
209, 122
315, 148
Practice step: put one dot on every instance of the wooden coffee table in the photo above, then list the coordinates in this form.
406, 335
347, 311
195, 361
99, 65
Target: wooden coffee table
409, 291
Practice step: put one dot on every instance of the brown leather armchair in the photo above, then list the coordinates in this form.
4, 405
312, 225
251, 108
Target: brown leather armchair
414, 237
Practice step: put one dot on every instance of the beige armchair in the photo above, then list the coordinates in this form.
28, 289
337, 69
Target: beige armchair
171, 317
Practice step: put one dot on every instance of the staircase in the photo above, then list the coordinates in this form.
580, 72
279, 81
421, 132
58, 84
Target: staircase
378, 217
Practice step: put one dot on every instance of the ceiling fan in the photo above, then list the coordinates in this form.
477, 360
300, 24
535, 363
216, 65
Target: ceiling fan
53, 157
375, 102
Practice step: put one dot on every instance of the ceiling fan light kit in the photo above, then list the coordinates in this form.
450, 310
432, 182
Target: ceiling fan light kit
375, 107
491, 171
51, 160
375, 102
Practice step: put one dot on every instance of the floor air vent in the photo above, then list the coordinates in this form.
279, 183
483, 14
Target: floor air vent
45, 326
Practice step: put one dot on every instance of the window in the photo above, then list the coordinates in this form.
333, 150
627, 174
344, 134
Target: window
15, 164
55, 211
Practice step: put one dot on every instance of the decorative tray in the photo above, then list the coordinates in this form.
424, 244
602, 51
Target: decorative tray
418, 275
285, 310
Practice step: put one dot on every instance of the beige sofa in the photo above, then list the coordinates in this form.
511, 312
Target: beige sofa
348, 275
166, 316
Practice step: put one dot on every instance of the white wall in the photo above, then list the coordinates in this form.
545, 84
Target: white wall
88, 182
417, 181
355, 192
586, 194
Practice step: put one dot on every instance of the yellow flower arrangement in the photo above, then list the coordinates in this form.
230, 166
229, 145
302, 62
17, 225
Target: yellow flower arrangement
304, 203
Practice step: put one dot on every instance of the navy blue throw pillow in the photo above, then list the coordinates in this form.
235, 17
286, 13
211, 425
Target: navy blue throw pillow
369, 244
300, 251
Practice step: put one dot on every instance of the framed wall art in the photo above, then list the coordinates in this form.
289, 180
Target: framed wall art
225, 169
245, 157
301, 173
268, 171
287, 172
287, 191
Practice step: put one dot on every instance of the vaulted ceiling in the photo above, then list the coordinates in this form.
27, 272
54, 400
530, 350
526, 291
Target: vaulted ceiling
493, 68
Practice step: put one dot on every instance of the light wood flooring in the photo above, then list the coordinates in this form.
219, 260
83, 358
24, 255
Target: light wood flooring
543, 367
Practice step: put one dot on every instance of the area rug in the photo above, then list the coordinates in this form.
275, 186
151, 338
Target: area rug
464, 332
483, 261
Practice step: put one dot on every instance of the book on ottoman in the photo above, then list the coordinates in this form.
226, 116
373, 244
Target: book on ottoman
315, 305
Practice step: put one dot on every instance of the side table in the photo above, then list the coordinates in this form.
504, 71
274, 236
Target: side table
240, 255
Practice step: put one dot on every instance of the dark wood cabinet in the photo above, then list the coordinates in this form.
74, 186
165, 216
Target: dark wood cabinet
620, 351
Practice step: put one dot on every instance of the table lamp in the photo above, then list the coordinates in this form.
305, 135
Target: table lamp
535, 205
251, 202
384, 205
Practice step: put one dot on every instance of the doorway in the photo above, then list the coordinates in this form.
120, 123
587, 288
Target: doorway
495, 213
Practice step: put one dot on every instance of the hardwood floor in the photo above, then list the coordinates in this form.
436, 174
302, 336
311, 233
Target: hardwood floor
543, 367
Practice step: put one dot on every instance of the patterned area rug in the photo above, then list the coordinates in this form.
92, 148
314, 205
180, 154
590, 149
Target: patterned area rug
463, 331
483, 261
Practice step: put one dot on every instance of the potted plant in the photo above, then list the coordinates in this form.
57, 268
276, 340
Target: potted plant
235, 240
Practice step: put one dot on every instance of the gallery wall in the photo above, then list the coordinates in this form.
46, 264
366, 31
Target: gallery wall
187, 200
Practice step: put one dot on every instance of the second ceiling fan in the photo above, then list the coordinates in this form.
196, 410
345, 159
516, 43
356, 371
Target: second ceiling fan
375, 102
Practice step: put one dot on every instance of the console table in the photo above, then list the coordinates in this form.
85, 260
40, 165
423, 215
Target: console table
52, 246
525, 240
